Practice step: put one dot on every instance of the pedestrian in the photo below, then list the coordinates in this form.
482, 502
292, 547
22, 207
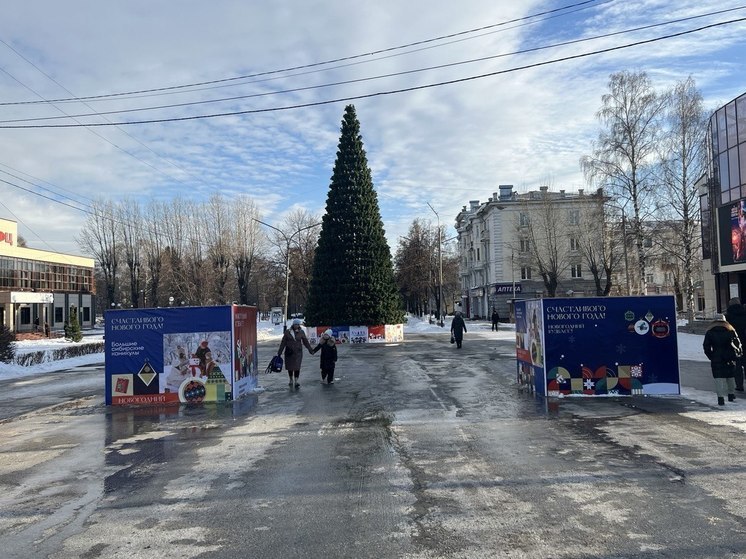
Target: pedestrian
735, 314
723, 348
292, 342
36, 324
46, 329
495, 319
458, 327
328, 347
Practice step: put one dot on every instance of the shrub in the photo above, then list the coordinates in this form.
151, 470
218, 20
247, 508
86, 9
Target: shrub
7, 344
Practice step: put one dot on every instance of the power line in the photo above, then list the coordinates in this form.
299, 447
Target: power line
316, 64
381, 93
381, 76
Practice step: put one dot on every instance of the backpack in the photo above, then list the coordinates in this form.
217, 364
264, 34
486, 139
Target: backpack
275, 365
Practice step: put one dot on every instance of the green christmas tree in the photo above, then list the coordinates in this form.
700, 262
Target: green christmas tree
75, 334
353, 279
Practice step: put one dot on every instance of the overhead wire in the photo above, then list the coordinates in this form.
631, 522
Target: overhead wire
584, 3
381, 93
371, 78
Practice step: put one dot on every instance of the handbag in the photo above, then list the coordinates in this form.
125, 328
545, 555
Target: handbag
453, 339
275, 365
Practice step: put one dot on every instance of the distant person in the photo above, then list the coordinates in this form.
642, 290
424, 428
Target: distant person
495, 319
735, 314
723, 348
292, 342
46, 329
328, 347
458, 327
36, 324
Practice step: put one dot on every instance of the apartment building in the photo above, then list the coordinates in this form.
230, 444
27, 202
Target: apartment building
497, 240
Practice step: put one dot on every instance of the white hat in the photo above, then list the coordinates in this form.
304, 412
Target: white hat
297, 322
328, 333
719, 318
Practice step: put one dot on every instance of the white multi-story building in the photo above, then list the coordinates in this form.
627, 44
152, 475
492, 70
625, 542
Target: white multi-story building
495, 247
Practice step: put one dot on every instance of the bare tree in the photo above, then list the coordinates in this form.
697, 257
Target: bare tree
683, 156
217, 235
623, 157
600, 242
153, 251
130, 224
99, 238
546, 233
246, 245
413, 266
302, 228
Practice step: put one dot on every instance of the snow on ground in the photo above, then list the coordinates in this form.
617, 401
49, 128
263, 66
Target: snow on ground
690, 349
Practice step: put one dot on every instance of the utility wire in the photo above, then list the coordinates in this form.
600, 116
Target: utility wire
371, 78
382, 93
316, 64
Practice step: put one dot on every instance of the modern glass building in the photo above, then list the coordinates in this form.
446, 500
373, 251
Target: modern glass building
723, 202
38, 286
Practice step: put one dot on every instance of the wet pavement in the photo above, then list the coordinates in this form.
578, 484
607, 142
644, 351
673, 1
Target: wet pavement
418, 450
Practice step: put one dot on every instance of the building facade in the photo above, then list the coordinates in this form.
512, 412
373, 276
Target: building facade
495, 244
38, 286
723, 204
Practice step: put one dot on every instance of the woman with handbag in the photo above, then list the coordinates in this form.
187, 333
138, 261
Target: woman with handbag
292, 342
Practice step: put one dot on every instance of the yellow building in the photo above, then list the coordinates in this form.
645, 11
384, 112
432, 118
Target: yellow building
39, 286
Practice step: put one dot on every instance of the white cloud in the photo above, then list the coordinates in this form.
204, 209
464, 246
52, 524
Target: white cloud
444, 145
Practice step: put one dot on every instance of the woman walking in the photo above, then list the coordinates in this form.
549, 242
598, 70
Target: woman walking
723, 349
292, 342
458, 327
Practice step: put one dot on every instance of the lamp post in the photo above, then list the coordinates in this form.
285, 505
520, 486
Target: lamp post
624, 244
440, 270
288, 240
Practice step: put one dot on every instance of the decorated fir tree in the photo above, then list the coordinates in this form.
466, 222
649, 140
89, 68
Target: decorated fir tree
353, 278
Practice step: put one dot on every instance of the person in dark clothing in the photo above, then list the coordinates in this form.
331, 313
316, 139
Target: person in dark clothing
723, 349
328, 347
495, 319
458, 327
735, 314
292, 342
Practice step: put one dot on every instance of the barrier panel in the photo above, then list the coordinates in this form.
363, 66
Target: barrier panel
598, 346
388, 333
180, 355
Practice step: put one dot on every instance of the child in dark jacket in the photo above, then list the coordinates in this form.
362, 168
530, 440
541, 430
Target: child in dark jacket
328, 347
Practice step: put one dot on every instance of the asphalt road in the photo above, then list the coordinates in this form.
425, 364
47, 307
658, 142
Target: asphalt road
418, 450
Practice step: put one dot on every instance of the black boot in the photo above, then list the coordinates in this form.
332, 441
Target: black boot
731, 397
721, 401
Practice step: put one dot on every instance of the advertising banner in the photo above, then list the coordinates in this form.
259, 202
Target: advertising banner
598, 346
185, 354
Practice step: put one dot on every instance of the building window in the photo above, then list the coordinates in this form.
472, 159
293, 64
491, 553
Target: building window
86, 314
525, 245
57, 314
574, 244
647, 242
523, 219
526, 273
25, 315
575, 271
478, 255
573, 217
649, 278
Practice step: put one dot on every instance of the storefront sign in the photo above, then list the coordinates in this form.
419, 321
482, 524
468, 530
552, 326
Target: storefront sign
505, 288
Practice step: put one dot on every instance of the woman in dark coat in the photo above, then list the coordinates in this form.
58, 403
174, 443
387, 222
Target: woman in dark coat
458, 327
292, 342
723, 349
328, 347
735, 314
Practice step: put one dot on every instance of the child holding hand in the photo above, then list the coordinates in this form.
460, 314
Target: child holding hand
328, 347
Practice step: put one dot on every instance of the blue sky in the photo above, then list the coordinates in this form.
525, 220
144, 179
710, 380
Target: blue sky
444, 145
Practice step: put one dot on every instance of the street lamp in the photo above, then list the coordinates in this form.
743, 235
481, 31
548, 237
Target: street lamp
288, 240
624, 243
440, 269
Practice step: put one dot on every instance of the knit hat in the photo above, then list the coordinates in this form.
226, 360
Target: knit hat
327, 334
297, 322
